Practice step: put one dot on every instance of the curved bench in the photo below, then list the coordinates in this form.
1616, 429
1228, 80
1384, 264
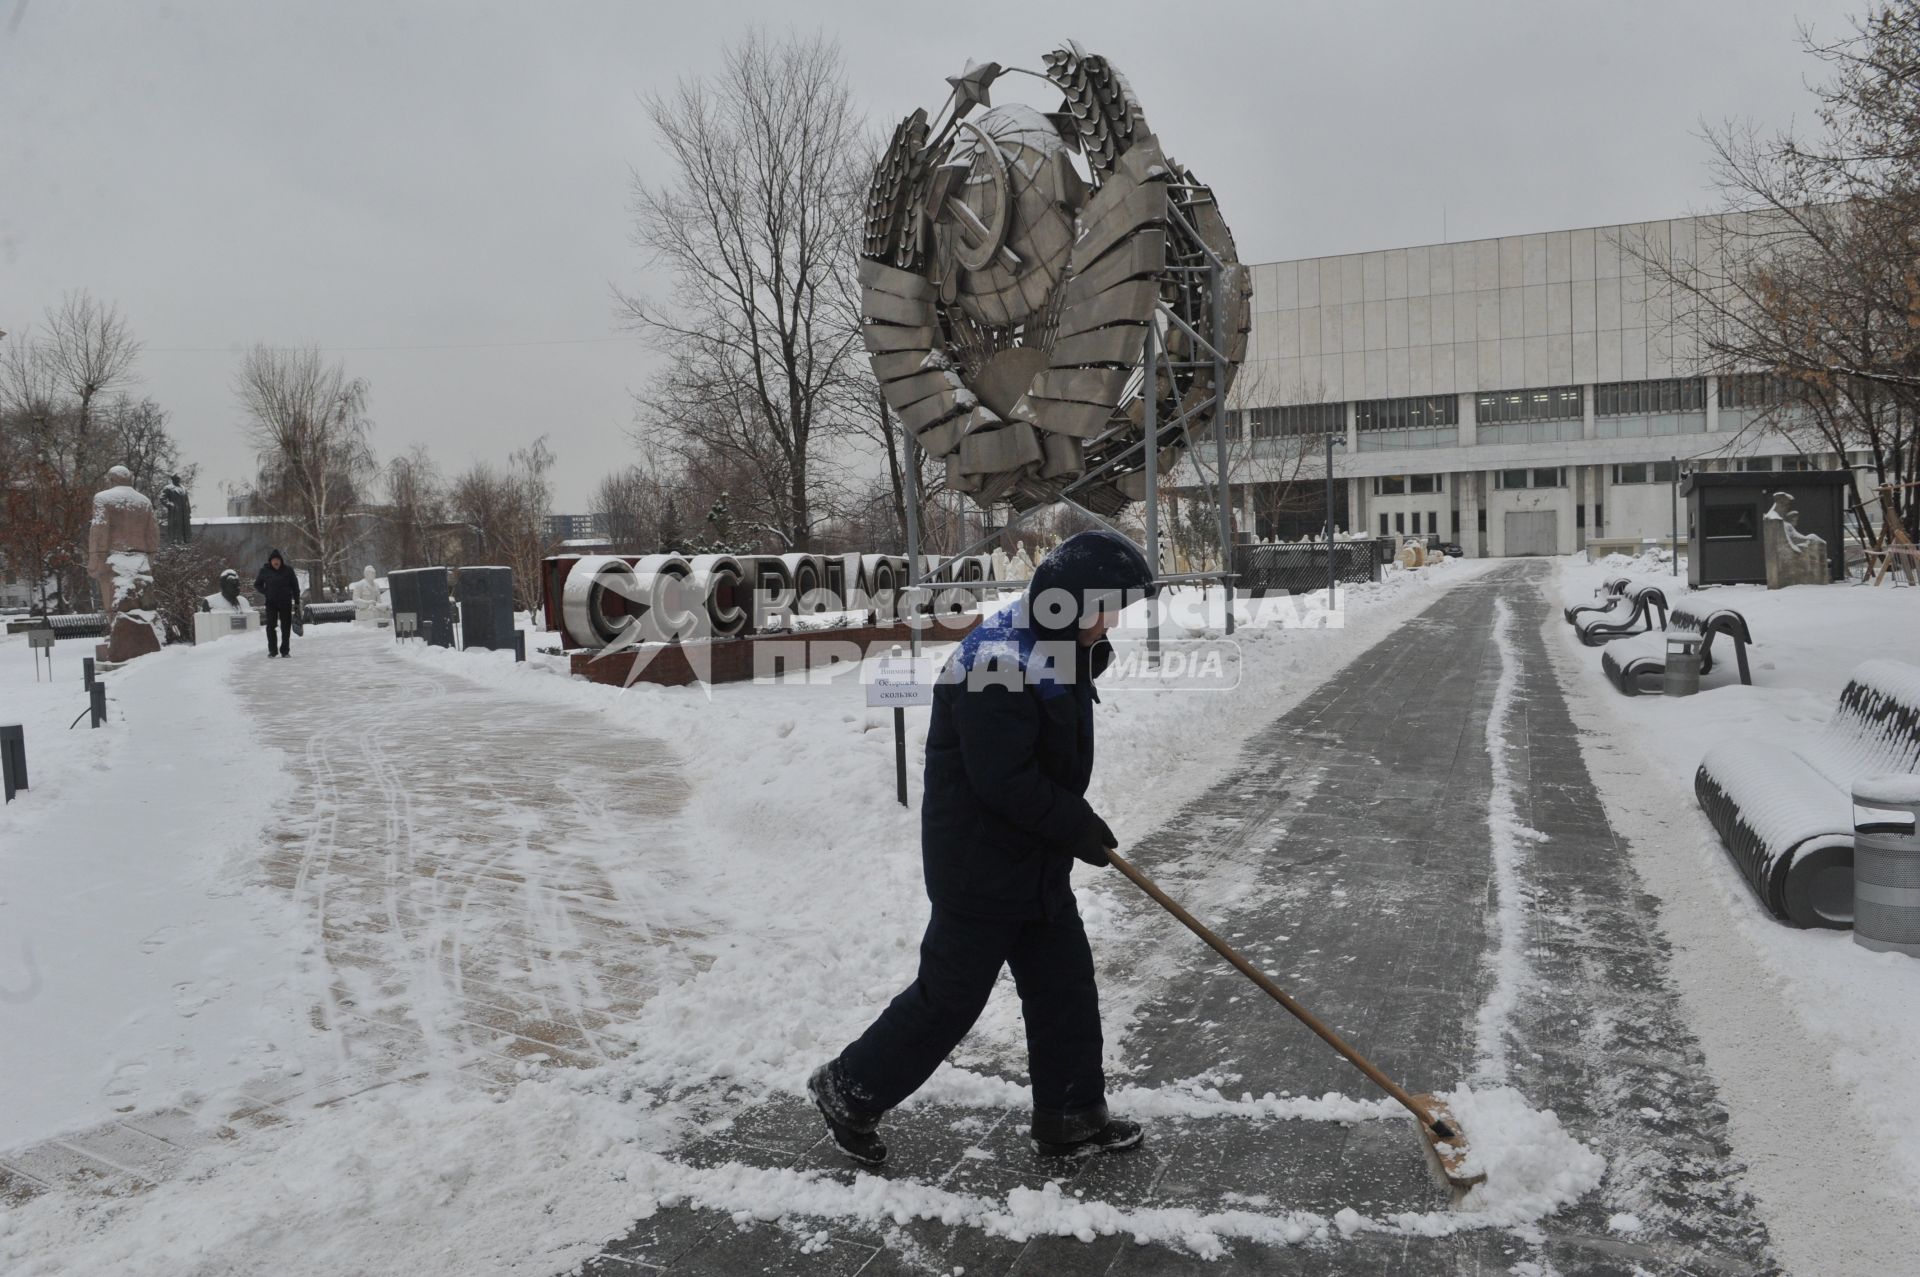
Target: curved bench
1643, 601
1639, 664
1785, 812
1613, 589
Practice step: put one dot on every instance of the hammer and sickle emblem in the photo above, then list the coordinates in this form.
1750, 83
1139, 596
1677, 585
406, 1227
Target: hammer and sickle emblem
980, 241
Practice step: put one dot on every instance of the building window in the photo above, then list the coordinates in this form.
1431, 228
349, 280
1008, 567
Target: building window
1504, 479
1642, 398
1642, 472
1755, 463
1433, 522
1799, 463
1579, 516
1543, 477
1400, 521
1427, 421
1306, 420
1424, 483
1383, 523
1752, 390
1550, 477
1553, 403
1389, 485
1480, 520
1731, 523
1599, 523
1456, 523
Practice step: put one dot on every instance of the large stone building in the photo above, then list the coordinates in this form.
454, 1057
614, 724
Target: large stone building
1521, 395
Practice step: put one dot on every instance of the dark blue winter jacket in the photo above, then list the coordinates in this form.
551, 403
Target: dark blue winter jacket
1010, 746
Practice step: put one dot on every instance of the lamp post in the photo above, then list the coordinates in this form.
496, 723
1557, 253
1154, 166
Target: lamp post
1332, 440
1674, 500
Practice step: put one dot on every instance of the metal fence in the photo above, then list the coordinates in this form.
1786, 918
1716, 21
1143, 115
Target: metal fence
1295, 569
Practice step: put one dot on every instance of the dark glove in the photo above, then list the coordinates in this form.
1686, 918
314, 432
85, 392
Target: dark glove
1094, 843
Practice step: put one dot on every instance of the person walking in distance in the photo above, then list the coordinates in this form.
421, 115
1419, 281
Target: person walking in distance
279, 591
1009, 758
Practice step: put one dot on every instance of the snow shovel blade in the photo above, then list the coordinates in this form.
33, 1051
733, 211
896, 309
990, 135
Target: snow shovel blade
1449, 1152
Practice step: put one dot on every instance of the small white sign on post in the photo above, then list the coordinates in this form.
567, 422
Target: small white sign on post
899, 681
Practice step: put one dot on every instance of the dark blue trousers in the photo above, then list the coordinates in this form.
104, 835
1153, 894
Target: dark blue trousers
960, 959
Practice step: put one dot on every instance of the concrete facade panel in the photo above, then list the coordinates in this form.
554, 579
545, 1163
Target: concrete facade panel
1396, 273
1609, 354
1399, 321
1353, 327
1486, 375
1330, 330
1466, 366
1353, 375
1535, 364
1330, 282
1581, 305
1513, 319
1586, 357
1533, 310
1373, 326
1373, 277
1606, 254
1560, 359
1512, 261
1286, 286
1486, 264
1440, 317
1419, 267
1419, 330
1633, 354
1559, 308
1266, 286
1580, 248
1559, 257
1423, 363
1466, 316
1513, 363
1352, 288
1333, 378
1308, 282
1398, 382
1606, 302
1439, 269
1533, 259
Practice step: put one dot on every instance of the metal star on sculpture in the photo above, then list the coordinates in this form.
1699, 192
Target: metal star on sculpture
1013, 261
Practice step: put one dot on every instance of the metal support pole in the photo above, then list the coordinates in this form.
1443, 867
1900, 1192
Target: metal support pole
1218, 278
1330, 573
900, 753
1674, 494
910, 480
1150, 393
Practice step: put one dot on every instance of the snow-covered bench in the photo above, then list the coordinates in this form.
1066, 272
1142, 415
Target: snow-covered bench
1642, 601
1784, 812
1613, 589
1639, 664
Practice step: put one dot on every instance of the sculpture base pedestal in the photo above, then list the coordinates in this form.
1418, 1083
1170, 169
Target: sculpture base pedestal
132, 635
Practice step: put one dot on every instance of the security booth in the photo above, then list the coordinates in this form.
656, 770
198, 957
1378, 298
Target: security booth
1724, 513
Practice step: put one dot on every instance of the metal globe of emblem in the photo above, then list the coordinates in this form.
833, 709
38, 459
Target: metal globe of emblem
1014, 262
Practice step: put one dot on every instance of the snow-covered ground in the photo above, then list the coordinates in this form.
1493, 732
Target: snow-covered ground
1814, 1040
167, 973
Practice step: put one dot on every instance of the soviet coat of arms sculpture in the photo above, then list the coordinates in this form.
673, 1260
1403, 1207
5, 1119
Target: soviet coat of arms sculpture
1013, 261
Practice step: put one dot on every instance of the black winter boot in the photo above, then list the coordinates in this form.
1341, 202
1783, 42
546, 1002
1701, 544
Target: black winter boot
1082, 1134
852, 1130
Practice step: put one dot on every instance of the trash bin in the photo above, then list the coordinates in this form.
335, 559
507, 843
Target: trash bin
1886, 863
1682, 677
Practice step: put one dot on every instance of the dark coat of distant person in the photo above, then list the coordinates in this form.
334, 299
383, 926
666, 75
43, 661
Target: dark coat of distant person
278, 587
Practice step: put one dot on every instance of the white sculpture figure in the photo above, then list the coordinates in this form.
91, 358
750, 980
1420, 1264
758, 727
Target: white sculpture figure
369, 605
1793, 557
228, 597
1021, 565
1000, 562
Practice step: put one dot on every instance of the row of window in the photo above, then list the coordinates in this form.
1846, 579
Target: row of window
1310, 420
1393, 485
1400, 527
1419, 413
1553, 403
1637, 398
1538, 477
1644, 472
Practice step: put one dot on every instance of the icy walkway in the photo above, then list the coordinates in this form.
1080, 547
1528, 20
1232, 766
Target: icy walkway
462, 913
1417, 851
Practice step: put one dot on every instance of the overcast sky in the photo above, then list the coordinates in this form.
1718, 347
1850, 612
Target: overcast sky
438, 192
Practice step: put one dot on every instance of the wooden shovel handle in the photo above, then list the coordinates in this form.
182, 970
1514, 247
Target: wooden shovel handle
1281, 996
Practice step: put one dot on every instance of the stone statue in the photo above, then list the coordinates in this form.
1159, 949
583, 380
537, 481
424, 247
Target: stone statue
177, 506
1793, 557
228, 598
120, 543
1013, 260
1000, 562
1021, 566
369, 606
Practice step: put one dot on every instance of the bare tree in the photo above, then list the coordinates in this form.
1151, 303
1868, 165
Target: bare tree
1809, 277
757, 226
506, 513
307, 420
416, 511
89, 349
